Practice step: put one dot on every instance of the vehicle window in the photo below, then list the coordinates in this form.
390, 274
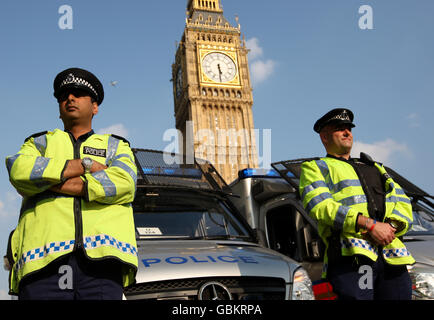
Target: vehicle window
423, 222
281, 230
183, 223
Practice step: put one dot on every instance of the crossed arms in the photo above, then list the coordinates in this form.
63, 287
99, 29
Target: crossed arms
74, 185
32, 172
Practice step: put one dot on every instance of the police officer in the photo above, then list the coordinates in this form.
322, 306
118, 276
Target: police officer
361, 214
75, 237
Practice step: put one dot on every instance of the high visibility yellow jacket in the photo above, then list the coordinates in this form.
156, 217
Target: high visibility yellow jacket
52, 225
333, 195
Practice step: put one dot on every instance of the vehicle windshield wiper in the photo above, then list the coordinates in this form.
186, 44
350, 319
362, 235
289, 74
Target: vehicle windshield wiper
221, 237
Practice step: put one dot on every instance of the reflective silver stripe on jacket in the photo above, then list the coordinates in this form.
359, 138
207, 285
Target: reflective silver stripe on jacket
108, 186
400, 192
340, 217
112, 148
313, 186
356, 199
41, 144
325, 171
10, 162
335, 188
345, 184
397, 199
318, 199
123, 166
37, 173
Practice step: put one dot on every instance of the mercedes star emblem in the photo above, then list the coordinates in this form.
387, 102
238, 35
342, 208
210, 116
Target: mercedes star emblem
214, 291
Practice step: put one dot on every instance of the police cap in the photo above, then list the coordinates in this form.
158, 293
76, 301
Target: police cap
335, 116
77, 78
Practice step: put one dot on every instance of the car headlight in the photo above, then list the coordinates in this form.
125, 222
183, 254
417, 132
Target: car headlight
302, 286
423, 283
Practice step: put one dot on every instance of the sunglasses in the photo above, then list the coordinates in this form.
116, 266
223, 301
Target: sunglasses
78, 93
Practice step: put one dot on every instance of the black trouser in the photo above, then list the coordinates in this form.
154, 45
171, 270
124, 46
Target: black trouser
360, 278
74, 277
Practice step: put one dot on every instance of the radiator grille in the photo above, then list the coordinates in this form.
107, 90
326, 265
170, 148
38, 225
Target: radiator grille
241, 288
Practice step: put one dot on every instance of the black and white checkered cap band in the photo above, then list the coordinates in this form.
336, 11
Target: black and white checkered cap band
71, 79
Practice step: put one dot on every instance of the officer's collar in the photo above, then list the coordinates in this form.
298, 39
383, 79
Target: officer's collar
83, 137
339, 158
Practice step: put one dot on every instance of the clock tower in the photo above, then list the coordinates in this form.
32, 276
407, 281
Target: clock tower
212, 91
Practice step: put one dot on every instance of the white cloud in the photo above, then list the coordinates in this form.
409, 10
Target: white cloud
255, 50
261, 70
381, 151
117, 129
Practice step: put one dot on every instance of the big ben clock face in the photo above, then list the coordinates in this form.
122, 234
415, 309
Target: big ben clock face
219, 67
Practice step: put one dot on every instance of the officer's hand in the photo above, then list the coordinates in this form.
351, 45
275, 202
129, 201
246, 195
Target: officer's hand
382, 234
6, 264
97, 166
75, 168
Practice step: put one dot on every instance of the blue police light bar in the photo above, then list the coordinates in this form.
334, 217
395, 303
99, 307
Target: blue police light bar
173, 172
261, 173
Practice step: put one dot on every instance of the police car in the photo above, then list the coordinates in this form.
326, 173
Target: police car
193, 244
270, 202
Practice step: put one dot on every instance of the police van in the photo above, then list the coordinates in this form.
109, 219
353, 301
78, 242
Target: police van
269, 200
193, 244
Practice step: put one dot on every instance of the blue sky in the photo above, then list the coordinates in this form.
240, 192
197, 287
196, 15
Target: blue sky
306, 57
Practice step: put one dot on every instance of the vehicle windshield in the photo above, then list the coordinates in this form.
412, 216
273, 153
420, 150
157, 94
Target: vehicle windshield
186, 218
423, 221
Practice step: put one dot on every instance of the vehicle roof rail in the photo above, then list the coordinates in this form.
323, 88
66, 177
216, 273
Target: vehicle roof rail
159, 168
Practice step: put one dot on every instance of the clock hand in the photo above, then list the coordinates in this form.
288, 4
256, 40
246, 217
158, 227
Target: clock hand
220, 72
